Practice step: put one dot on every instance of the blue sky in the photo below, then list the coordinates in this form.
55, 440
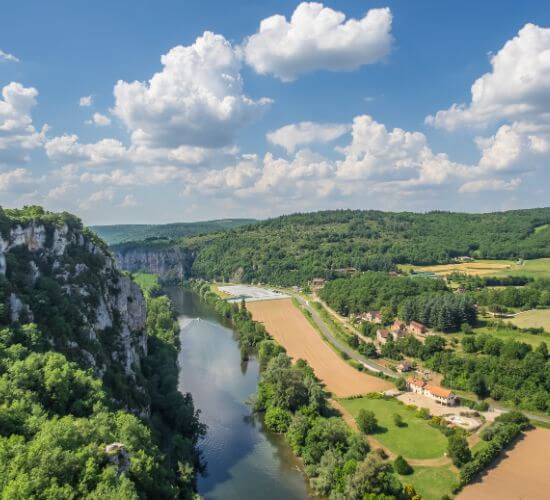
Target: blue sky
354, 96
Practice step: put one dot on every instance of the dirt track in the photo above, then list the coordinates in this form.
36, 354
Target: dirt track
291, 329
522, 474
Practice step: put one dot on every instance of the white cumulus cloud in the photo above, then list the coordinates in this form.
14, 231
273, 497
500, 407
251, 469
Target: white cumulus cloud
304, 133
517, 87
318, 37
86, 101
196, 99
17, 133
5, 56
100, 120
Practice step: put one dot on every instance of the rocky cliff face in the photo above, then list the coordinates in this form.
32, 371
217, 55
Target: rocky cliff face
63, 278
169, 262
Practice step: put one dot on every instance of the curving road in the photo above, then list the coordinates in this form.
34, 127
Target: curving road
342, 346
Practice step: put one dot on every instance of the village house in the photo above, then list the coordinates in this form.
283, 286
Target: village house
435, 392
417, 328
382, 335
373, 317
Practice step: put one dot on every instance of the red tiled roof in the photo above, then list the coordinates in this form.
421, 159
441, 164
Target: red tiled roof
383, 333
439, 391
415, 381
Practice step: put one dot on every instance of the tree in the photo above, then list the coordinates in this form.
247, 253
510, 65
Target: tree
277, 419
366, 421
402, 467
401, 384
372, 476
458, 449
398, 420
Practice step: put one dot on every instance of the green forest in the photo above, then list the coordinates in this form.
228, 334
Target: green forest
292, 249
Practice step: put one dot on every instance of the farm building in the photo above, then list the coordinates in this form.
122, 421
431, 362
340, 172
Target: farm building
374, 317
435, 392
417, 328
317, 283
404, 366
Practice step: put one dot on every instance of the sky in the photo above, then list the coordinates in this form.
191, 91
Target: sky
152, 112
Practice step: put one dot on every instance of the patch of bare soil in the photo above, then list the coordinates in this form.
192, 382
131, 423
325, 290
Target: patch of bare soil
288, 326
523, 473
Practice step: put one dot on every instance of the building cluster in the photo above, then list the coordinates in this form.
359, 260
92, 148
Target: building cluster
400, 329
435, 392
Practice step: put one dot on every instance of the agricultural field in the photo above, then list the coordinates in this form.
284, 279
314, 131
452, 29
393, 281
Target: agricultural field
431, 482
416, 440
536, 268
509, 334
534, 318
521, 474
289, 327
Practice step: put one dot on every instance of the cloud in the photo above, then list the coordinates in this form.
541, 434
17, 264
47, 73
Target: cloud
490, 185
516, 88
196, 99
128, 201
86, 101
105, 195
16, 179
5, 57
17, 133
315, 38
381, 155
300, 134
67, 149
100, 120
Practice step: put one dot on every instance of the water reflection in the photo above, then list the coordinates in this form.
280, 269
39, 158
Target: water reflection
243, 460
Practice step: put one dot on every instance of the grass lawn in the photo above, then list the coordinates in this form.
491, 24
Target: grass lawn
511, 334
536, 318
536, 268
431, 482
146, 281
417, 439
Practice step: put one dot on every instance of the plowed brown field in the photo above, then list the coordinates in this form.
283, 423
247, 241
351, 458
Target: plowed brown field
521, 475
288, 326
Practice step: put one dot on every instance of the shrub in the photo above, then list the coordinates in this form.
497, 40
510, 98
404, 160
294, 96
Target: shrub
277, 419
458, 449
401, 384
398, 420
366, 421
402, 467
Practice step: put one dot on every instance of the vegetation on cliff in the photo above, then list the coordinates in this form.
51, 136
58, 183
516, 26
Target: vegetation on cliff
83, 409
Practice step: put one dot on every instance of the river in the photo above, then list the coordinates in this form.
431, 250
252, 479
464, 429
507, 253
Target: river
244, 460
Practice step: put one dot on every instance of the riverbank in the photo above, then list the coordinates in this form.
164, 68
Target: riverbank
336, 459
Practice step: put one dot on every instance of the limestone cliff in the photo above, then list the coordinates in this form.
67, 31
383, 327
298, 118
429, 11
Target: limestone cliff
62, 277
168, 260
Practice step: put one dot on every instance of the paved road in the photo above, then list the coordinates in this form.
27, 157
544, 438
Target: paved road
342, 346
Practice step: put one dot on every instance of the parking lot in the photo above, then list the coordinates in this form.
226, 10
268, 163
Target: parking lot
250, 293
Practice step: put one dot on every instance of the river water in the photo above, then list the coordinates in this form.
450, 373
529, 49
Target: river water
244, 461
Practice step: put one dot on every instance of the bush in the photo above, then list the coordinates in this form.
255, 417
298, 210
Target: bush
366, 421
401, 384
402, 467
277, 419
458, 449
398, 420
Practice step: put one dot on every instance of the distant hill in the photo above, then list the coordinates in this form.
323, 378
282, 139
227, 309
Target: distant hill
292, 249
121, 233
